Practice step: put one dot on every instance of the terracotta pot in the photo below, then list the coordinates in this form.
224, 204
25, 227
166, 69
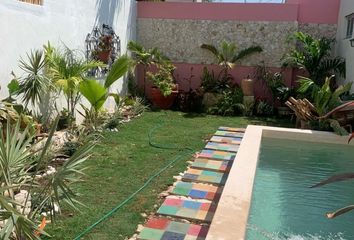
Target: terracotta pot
160, 101
247, 87
104, 56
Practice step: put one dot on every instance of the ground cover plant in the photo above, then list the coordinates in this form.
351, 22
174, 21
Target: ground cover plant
123, 161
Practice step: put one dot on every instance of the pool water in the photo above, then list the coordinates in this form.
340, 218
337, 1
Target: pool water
284, 207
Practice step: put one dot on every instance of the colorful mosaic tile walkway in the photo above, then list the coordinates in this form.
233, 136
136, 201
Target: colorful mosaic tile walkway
209, 164
196, 190
195, 197
165, 229
229, 129
204, 176
222, 147
218, 155
228, 134
229, 140
188, 209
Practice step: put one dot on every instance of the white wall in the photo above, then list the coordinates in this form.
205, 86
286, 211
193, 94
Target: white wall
26, 26
343, 45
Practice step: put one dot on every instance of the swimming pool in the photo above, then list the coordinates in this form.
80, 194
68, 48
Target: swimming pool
284, 207
267, 194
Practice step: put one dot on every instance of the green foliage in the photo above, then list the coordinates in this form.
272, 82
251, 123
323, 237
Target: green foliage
119, 68
230, 103
163, 78
70, 147
324, 98
19, 166
214, 84
34, 84
68, 70
314, 56
264, 109
94, 92
227, 54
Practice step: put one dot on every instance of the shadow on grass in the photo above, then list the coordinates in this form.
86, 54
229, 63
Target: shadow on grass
271, 121
194, 115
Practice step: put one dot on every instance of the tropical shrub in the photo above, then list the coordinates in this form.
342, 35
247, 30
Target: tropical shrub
324, 99
214, 83
315, 56
230, 102
263, 109
163, 78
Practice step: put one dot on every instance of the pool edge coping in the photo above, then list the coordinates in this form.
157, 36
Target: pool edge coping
231, 216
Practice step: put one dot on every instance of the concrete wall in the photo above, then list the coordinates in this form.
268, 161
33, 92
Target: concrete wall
343, 44
178, 29
26, 26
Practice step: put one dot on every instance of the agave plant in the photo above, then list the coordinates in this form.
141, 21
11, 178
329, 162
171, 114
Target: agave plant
315, 56
227, 55
19, 168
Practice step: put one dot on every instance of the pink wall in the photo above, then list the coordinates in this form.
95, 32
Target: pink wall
304, 11
183, 75
317, 11
218, 11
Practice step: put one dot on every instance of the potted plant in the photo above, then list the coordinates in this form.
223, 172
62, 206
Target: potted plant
283, 94
164, 91
104, 49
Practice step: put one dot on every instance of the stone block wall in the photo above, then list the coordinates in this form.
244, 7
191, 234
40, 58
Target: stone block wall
180, 39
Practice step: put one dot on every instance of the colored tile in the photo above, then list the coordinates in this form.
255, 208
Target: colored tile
173, 230
210, 164
191, 209
228, 134
197, 194
172, 236
168, 210
230, 129
195, 190
217, 155
174, 202
196, 175
229, 140
151, 234
222, 146
178, 227
157, 223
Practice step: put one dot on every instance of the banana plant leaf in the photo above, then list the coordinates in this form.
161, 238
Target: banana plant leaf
94, 92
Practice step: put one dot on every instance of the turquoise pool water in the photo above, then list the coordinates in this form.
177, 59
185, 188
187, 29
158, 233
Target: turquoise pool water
284, 207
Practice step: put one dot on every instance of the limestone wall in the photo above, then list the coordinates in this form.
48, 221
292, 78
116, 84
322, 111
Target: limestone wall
180, 39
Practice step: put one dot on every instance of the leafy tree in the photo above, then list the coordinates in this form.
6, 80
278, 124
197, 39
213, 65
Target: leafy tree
315, 56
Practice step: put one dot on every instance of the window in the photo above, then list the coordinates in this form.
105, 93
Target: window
350, 26
38, 2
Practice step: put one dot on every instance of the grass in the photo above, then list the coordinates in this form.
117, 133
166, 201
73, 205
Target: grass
124, 160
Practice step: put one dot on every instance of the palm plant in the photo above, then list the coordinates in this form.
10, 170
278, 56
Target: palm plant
97, 94
145, 57
68, 71
315, 56
19, 167
227, 55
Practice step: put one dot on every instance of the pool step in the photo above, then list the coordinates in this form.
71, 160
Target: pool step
222, 147
210, 164
163, 228
204, 176
217, 155
197, 210
196, 190
228, 140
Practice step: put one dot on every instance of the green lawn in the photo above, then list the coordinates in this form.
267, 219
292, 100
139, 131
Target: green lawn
123, 161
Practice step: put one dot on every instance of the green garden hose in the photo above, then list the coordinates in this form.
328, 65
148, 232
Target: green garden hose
184, 152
